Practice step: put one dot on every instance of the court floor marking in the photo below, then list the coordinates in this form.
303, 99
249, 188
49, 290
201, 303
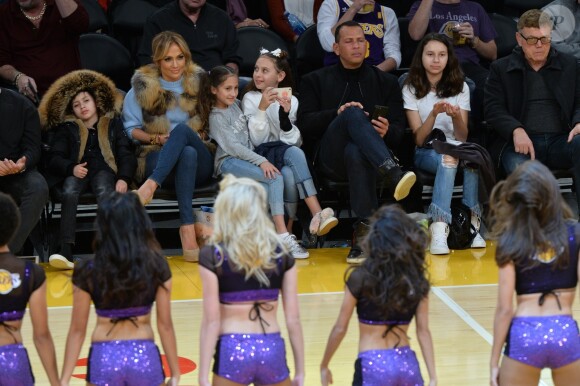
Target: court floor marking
464, 315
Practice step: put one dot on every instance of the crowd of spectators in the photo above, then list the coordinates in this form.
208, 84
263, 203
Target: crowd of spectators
530, 99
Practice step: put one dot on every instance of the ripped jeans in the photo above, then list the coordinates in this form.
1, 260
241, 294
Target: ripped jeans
440, 209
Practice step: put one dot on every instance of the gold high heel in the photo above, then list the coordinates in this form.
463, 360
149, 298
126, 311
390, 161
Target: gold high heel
191, 255
143, 201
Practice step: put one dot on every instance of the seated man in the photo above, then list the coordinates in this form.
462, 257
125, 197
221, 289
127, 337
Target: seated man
39, 42
379, 24
472, 32
334, 105
532, 100
208, 31
19, 154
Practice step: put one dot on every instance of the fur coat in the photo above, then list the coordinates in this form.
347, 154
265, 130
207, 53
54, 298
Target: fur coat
55, 111
155, 101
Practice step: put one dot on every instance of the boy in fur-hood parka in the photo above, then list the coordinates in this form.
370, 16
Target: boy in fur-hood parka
89, 148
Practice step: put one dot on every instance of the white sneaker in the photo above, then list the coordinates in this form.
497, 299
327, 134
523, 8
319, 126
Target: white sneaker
439, 232
478, 242
60, 262
295, 248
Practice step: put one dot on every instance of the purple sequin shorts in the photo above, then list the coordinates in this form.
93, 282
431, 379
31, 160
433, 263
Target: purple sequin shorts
125, 362
543, 341
15, 367
392, 367
251, 358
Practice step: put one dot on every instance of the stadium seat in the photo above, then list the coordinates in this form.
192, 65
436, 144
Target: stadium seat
98, 21
252, 39
309, 52
506, 29
106, 55
127, 21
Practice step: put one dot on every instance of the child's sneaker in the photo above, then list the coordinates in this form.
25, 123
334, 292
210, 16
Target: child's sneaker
323, 222
294, 247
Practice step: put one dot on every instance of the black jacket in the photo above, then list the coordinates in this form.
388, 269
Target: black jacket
506, 93
66, 147
19, 128
321, 94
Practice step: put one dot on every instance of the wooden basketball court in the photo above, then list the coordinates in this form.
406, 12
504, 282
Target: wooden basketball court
461, 317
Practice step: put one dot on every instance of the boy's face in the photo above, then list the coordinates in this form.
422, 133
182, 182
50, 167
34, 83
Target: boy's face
84, 108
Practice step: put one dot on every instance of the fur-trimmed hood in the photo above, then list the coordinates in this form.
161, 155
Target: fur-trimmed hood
55, 106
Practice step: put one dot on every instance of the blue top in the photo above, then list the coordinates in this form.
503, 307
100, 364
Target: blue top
233, 285
543, 277
133, 114
370, 313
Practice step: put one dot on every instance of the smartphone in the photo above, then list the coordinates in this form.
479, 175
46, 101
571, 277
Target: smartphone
284, 92
380, 111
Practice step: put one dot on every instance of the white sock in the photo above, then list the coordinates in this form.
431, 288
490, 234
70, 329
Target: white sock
283, 235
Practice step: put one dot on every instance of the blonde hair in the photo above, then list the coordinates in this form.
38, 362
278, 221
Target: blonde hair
162, 42
244, 228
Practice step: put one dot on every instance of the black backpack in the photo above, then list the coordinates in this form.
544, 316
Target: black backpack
461, 233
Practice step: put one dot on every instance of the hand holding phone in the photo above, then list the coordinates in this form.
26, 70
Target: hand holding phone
380, 111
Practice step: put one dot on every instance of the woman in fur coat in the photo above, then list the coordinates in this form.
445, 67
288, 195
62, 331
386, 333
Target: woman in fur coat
160, 114
89, 150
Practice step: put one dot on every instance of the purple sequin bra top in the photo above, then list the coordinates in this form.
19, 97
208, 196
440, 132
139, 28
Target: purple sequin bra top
262, 294
9, 316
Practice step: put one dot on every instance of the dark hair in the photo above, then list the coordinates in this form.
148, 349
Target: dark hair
452, 79
394, 271
69, 108
350, 23
281, 64
10, 218
128, 260
207, 99
529, 216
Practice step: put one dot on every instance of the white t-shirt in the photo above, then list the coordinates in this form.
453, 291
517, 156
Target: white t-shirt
425, 105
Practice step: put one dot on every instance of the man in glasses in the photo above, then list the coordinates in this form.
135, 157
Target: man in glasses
532, 101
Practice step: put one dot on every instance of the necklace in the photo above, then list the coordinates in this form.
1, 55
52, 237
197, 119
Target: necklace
38, 17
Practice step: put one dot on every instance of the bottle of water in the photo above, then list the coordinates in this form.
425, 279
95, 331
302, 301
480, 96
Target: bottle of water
295, 23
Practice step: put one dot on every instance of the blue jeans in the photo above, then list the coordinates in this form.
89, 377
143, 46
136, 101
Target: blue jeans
297, 179
187, 159
274, 187
553, 150
440, 207
352, 150
101, 183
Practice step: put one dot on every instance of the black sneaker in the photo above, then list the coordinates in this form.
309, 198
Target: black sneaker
396, 179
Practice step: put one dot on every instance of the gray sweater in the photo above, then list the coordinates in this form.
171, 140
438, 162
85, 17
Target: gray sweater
229, 128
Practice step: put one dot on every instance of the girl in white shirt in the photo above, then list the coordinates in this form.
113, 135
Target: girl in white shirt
271, 114
436, 97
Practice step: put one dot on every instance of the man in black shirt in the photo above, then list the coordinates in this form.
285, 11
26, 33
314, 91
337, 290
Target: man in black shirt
208, 31
19, 154
335, 103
